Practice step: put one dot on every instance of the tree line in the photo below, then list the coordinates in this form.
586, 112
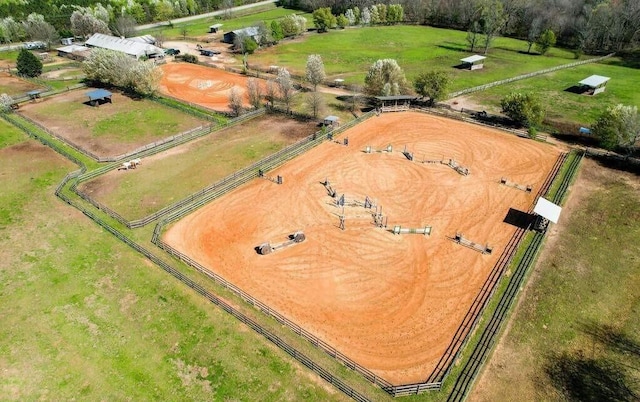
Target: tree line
590, 26
58, 12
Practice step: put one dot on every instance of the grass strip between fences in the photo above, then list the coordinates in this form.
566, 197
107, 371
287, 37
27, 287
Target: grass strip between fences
296, 354
494, 326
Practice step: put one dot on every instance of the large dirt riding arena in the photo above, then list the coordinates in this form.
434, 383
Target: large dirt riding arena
391, 303
204, 86
110, 129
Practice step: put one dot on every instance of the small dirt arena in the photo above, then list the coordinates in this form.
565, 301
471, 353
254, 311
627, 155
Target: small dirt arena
391, 303
205, 86
14, 86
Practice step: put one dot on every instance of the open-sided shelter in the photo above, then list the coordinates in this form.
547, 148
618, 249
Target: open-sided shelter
214, 28
252, 32
331, 121
98, 96
475, 62
394, 103
594, 84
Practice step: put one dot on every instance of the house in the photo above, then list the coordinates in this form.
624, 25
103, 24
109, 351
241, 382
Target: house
133, 48
253, 32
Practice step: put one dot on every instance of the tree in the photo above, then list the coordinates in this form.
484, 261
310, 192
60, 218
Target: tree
118, 69
40, 30
323, 19
255, 92
276, 31
365, 17
355, 100
395, 13
184, 31
315, 70
10, 30
432, 84
235, 101
315, 102
271, 92
85, 24
473, 35
533, 33
28, 64
618, 126
385, 77
293, 25
523, 108
342, 21
285, 87
5, 103
124, 25
545, 41
350, 16
491, 21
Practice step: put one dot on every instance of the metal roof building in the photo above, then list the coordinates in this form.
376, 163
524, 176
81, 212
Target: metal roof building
475, 62
230, 37
128, 46
597, 83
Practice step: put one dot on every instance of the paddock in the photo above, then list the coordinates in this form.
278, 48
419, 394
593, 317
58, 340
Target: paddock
391, 303
204, 86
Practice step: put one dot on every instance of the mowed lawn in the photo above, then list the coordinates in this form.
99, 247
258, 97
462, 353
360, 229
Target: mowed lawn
576, 333
349, 53
564, 106
84, 317
172, 175
112, 128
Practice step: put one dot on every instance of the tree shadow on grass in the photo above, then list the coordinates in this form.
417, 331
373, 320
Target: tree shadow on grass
584, 379
612, 338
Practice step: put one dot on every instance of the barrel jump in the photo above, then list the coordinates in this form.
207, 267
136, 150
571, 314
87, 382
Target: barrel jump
526, 188
460, 239
294, 238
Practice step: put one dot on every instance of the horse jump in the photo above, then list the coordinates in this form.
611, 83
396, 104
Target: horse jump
132, 164
367, 204
330, 189
526, 188
397, 229
460, 239
369, 150
278, 179
457, 167
267, 248
407, 154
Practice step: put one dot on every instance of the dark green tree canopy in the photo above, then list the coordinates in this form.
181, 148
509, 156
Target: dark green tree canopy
28, 64
432, 84
523, 108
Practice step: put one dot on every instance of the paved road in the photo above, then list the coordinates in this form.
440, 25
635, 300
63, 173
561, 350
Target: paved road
200, 16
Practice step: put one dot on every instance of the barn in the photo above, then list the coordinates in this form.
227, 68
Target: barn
74, 52
131, 47
253, 32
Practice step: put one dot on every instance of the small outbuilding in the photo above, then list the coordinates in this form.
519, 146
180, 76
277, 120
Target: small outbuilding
252, 32
331, 121
215, 28
594, 84
33, 95
338, 82
75, 52
394, 103
475, 62
98, 96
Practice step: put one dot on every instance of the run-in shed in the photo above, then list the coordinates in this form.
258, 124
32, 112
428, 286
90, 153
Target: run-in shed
99, 96
474, 62
595, 83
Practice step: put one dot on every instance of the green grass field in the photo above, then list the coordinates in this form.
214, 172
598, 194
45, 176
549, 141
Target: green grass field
564, 106
179, 172
113, 128
84, 317
10, 134
575, 336
200, 28
350, 52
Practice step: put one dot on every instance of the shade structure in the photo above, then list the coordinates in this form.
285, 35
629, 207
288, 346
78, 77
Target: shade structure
548, 210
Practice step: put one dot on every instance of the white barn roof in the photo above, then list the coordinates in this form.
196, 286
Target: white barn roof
472, 59
594, 81
547, 209
144, 39
128, 46
72, 48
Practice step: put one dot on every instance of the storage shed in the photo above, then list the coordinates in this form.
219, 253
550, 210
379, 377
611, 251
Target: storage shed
594, 84
474, 62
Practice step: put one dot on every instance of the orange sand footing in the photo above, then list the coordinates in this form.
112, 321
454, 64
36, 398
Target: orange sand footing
204, 86
391, 303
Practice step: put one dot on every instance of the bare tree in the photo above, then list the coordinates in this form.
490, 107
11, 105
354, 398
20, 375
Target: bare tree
285, 87
271, 92
40, 30
235, 101
255, 92
315, 103
355, 100
124, 25
227, 6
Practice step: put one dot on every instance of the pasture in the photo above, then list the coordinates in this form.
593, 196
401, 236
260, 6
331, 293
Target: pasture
349, 53
563, 105
112, 128
389, 302
574, 335
15, 86
84, 316
172, 175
